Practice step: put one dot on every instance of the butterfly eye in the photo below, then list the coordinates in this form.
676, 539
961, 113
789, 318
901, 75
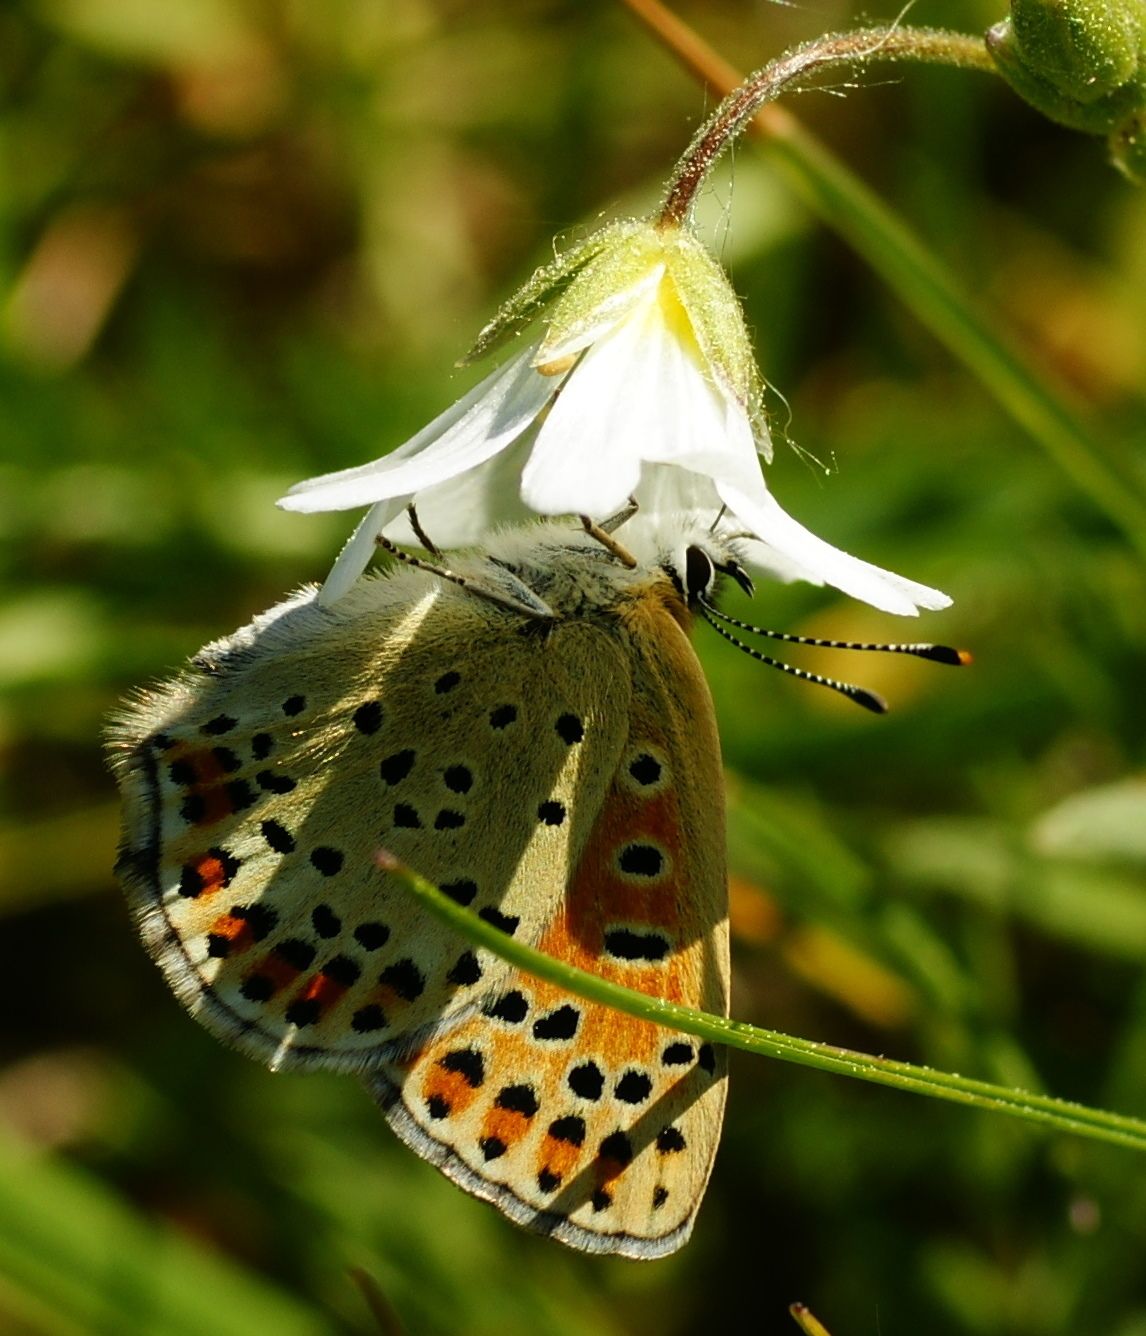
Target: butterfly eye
699, 573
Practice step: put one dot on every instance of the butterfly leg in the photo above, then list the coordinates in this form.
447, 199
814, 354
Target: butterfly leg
601, 532
514, 595
420, 533
623, 516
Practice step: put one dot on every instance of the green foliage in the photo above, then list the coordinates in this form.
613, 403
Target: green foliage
247, 243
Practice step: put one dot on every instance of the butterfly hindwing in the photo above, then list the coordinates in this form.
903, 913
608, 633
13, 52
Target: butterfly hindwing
574, 1119
258, 786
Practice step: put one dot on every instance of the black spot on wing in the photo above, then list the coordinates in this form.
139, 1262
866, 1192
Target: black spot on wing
510, 1007
570, 1129
645, 769
368, 717
670, 1141
625, 944
506, 923
458, 778
587, 1080
465, 971
641, 860
570, 729
368, 1019
297, 953
677, 1054
462, 891
325, 921
327, 860
371, 936
634, 1087
558, 1024
518, 1099
277, 837
468, 1063
395, 768
405, 978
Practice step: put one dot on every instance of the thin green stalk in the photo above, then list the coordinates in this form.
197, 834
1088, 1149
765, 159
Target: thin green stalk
1059, 1115
922, 283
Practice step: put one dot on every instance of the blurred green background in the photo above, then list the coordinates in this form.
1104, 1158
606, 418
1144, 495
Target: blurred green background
245, 241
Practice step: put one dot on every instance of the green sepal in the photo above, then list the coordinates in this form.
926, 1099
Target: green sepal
716, 316
609, 284
538, 292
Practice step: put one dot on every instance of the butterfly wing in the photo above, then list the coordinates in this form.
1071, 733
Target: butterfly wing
576, 1120
257, 787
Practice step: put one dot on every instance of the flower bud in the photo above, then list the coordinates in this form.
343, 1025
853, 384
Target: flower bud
1083, 64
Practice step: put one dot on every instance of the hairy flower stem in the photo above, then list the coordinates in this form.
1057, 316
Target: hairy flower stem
864, 46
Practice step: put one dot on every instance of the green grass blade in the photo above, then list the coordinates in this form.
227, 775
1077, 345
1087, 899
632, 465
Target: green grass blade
1054, 1114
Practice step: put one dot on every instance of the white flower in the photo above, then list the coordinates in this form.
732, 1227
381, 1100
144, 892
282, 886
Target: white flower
642, 385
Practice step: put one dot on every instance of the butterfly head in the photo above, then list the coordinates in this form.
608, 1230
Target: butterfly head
703, 565
669, 560
696, 559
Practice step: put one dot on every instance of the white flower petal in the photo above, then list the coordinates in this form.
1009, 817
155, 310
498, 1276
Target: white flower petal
638, 395
667, 491
493, 414
587, 459
358, 550
463, 511
761, 513
682, 413
765, 560
698, 426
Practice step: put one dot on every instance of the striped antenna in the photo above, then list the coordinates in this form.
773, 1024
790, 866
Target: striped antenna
868, 699
935, 653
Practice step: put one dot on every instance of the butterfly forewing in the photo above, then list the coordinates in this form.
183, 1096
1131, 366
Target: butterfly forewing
259, 786
575, 1119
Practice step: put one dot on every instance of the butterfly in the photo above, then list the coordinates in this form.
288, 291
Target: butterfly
540, 742
533, 732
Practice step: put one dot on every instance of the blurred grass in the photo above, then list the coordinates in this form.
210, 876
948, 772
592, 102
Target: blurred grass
241, 243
